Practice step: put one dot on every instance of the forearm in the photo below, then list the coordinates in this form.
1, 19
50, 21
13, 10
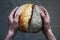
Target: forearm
11, 33
49, 34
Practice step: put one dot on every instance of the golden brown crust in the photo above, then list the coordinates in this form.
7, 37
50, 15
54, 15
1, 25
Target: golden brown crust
24, 17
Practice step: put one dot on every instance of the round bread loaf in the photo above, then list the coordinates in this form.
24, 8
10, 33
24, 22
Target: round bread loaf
29, 18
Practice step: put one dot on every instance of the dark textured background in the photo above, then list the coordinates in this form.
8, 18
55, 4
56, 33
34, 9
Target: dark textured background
53, 7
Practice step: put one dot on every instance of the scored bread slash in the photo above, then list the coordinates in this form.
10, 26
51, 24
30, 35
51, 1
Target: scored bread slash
36, 22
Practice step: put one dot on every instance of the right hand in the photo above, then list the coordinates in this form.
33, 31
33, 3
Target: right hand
46, 19
46, 27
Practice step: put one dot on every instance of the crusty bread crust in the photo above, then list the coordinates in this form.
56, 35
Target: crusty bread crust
25, 17
29, 18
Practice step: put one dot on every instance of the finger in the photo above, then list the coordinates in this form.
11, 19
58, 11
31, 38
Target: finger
42, 15
45, 11
12, 13
16, 18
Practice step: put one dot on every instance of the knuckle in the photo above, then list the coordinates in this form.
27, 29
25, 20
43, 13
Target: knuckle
15, 21
9, 17
49, 18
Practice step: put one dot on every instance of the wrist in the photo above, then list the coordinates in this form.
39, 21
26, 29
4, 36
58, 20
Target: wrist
47, 30
46, 27
10, 35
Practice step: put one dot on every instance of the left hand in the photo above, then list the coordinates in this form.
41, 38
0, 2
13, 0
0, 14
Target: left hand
13, 24
13, 20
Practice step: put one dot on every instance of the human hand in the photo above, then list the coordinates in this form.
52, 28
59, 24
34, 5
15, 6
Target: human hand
45, 19
13, 24
46, 28
13, 20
